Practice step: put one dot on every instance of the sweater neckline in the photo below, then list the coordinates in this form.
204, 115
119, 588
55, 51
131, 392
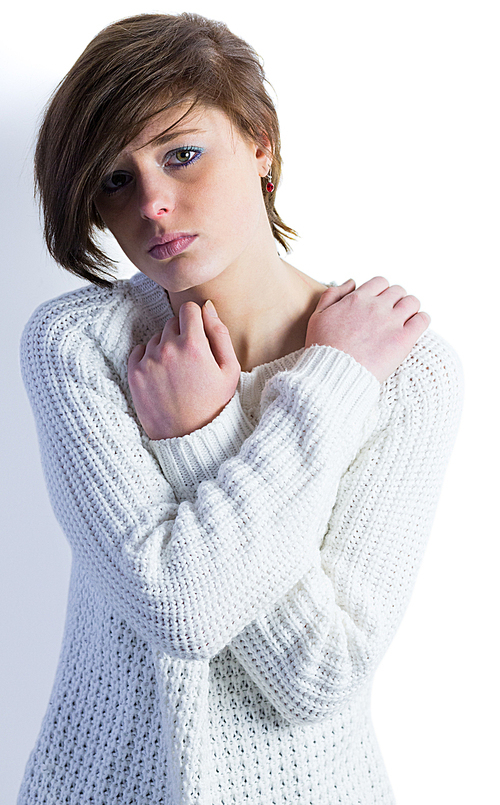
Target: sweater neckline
157, 301
277, 365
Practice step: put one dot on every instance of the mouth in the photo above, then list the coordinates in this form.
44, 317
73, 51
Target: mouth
165, 246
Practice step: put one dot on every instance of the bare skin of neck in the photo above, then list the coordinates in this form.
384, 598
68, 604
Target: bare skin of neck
266, 307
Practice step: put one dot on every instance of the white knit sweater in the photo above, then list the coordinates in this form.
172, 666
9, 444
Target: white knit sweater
233, 590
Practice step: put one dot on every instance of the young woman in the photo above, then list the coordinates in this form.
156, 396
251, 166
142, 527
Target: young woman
246, 462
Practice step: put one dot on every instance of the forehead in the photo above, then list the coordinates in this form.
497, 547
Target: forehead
179, 121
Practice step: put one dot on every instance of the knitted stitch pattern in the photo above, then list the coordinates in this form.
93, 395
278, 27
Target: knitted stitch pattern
233, 590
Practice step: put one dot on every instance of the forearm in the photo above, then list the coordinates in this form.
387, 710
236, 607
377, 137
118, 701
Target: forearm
317, 645
250, 534
176, 572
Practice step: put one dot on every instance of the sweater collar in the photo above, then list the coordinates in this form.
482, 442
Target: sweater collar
156, 301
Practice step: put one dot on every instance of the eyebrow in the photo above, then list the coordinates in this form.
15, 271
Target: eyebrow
171, 134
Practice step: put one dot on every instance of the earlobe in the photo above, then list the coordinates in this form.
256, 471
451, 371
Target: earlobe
265, 168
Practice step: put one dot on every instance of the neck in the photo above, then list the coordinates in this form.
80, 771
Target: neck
266, 307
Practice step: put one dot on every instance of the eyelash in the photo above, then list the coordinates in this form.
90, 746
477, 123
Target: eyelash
196, 150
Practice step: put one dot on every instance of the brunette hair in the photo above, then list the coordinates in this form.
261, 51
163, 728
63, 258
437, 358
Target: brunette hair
129, 72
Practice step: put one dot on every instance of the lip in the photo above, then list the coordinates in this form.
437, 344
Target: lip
169, 245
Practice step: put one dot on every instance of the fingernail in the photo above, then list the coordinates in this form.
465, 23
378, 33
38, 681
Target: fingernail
210, 307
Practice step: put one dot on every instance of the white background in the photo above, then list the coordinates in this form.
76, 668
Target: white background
391, 133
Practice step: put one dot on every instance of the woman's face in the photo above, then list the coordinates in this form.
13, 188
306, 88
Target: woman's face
186, 204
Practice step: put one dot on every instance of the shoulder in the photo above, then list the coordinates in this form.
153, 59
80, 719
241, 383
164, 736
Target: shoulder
426, 391
70, 313
432, 353
57, 337
82, 339
112, 320
433, 367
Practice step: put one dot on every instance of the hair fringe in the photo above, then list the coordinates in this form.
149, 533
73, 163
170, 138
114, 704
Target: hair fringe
129, 72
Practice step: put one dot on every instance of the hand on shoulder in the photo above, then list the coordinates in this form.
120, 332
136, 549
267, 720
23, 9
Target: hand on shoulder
377, 323
184, 376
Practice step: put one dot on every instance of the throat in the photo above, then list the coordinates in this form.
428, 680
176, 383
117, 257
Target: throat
280, 333
274, 348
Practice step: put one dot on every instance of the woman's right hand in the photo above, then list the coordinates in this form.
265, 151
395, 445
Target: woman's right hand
184, 376
377, 323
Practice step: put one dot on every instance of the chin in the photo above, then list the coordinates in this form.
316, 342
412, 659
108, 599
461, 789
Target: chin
183, 276
178, 279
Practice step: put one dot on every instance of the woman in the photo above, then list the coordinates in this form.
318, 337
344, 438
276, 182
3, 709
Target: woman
246, 462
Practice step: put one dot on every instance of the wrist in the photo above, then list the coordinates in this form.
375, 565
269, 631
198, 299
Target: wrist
188, 460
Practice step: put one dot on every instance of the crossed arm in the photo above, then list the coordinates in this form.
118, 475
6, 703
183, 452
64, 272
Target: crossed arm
195, 576
188, 576
316, 646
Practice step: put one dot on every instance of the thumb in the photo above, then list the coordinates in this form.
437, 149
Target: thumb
219, 338
333, 294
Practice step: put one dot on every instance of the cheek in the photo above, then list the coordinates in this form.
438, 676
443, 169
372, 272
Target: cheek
248, 207
233, 202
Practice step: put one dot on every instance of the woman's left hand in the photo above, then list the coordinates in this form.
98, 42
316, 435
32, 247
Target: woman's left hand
185, 375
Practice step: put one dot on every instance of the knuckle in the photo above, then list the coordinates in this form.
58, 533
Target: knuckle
193, 347
171, 325
354, 298
154, 341
167, 350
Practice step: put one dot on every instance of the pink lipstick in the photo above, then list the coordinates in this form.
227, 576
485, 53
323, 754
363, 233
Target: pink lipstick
170, 245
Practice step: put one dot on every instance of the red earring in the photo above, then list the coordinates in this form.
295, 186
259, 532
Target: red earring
269, 185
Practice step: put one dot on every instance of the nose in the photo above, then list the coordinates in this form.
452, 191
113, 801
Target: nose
155, 197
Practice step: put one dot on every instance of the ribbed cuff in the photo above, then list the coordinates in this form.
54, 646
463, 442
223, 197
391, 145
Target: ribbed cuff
328, 380
188, 460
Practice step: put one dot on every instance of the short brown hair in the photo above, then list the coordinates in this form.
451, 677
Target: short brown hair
129, 72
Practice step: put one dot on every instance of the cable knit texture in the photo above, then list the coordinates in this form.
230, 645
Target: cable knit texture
233, 590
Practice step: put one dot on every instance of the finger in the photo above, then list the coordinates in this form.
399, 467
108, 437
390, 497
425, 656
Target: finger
407, 306
136, 355
333, 294
190, 321
373, 287
171, 329
153, 342
218, 337
417, 324
393, 294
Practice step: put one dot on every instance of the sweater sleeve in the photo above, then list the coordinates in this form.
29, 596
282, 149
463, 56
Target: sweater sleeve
324, 638
189, 576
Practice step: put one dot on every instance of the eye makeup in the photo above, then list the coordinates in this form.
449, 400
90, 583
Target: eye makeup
195, 150
118, 179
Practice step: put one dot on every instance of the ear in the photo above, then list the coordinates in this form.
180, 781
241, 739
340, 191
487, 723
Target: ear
264, 154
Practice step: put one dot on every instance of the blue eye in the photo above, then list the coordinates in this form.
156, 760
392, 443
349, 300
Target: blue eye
184, 156
115, 181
